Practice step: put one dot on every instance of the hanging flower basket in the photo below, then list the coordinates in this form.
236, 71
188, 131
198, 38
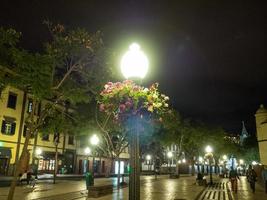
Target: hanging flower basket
124, 99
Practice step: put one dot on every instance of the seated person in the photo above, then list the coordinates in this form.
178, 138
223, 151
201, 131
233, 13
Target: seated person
24, 177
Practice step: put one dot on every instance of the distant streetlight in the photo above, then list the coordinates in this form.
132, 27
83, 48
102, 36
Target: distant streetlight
184, 160
241, 161
224, 157
148, 158
208, 149
134, 65
254, 163
169, 154
38, 152
209, 155
94, 140
87, 151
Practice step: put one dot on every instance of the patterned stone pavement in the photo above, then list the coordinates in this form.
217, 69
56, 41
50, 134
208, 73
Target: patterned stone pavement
164, 188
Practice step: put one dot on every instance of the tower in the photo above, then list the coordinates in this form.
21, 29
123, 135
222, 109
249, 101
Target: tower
244, 134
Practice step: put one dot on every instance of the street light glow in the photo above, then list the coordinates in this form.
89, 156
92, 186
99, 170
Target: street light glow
241, 161
184, 160
148, 157
254, 163
87, 150
169, 154
38, 152
208, 149
225, 157
200, 159
94, 140
134, 63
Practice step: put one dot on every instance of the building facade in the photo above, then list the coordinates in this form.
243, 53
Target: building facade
261, 126
15, 106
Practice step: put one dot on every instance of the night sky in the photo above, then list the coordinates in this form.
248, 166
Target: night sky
209, 57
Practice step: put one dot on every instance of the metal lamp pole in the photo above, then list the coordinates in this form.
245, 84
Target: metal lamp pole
134, 65
134, 183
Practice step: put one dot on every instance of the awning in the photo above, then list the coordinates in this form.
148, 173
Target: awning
5, 152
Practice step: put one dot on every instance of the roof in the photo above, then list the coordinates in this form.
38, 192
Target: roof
261, 109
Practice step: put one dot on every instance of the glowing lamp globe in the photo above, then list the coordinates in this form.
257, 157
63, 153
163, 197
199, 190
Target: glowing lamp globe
148, 157
87, 150
94, 140
134, 63
169, 154
241, 162
208, 149
225, 157
38, 152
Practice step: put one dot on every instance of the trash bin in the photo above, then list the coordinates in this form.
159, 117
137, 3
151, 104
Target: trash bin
89, 179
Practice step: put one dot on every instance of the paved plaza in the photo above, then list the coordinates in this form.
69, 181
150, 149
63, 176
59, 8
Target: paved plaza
161, 189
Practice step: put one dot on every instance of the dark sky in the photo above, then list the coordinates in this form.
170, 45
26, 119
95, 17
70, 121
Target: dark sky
209, 57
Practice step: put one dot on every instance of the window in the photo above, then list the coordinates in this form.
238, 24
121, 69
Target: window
12, 100
71, 139
45, 137
29, 109
8, 128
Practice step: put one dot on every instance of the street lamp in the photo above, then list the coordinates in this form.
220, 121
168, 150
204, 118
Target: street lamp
148, 158
209, 155
87, 152
94, 140
134, 65
169, 155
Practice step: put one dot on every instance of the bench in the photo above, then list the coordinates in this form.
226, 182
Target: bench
98, 191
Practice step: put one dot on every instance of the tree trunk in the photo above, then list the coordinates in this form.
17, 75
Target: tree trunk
56, 165
18, 166
119, 173
193, 167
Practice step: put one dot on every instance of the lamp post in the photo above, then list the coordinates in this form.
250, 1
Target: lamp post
94, 140
209, 155
38, 153
87, 152
148, 158
134, 65
169, 155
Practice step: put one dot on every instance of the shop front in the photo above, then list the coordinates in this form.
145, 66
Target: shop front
5, 156
46, 162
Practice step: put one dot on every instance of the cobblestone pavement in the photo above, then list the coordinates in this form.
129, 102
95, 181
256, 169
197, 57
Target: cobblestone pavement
221, 191
161, 189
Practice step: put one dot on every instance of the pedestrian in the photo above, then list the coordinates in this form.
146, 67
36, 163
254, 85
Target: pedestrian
264, 177
233, 176
252, 178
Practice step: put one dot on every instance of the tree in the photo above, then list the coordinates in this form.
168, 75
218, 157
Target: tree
66, 71
125, 103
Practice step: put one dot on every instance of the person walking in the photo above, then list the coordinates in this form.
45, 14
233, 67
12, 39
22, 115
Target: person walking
252, 178
264, 177
233, 176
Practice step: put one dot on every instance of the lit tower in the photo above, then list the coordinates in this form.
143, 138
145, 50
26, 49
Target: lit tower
244, 134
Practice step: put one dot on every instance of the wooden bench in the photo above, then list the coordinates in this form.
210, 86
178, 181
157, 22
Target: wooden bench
98, 191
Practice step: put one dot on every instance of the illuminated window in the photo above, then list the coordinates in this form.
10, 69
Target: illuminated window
8, 128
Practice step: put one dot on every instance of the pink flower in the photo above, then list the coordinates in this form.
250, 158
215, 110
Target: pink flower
129, 104
101, 107
122, 107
